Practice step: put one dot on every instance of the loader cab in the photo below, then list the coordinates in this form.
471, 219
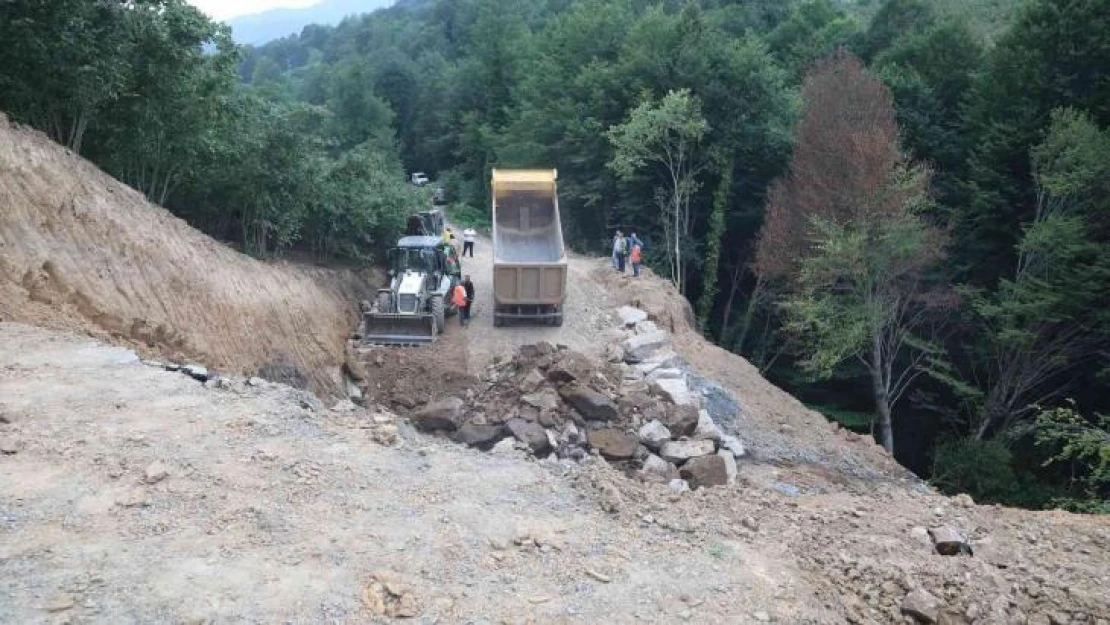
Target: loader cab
425, 223
424, 254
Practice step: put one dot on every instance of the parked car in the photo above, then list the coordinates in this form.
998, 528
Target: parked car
419, 179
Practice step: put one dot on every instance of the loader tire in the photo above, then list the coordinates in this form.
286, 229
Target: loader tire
438, 313
384, 302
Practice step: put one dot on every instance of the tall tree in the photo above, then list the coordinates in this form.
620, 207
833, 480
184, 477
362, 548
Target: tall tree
843, 234
1049, 316
665, 138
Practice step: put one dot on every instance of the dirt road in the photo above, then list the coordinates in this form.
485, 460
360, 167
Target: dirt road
587, 325
269, 512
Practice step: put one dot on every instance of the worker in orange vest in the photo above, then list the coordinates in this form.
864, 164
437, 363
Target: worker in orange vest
637, 258
458, 298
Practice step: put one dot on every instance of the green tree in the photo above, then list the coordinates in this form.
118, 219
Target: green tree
1047, 319
665, 137
844, 233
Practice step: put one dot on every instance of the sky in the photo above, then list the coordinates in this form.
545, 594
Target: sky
226, 9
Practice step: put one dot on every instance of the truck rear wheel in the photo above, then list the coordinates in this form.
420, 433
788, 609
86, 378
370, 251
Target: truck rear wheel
438, 313
558, 320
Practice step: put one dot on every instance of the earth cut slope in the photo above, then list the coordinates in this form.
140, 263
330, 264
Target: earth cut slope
81, 251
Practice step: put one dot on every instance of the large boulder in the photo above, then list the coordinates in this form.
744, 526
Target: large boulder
613, 443
544, 399
640, 347
570, 367
679, 452
480, 436
711, 470
658, 470
531, 434
681, 420
646, 327
675, 391
631, 316
706, 429
591, 404
653, 434
445, 414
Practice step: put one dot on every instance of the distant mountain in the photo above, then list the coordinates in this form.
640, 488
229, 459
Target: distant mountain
259, 28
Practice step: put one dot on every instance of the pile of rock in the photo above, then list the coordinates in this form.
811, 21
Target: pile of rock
635, 410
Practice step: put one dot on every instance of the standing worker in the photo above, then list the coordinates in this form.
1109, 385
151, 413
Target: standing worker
637, 257
468, 241
458, 298
618, 245
468, 287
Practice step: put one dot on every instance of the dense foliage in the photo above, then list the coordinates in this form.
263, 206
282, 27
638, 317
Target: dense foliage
149, 90
930, 175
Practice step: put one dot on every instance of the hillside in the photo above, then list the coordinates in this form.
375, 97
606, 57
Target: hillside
130, 493
259, 28
80, 251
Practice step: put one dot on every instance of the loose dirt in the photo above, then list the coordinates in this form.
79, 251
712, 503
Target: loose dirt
80, 251
271, 512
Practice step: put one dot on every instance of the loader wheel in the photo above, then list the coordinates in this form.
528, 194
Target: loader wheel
438, 313
384, 303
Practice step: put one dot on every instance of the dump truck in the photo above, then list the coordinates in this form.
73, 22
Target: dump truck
529, 261
413, 310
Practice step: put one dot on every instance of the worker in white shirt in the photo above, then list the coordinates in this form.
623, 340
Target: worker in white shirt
468, 241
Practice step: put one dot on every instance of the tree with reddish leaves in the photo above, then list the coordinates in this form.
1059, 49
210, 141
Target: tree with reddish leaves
844, 241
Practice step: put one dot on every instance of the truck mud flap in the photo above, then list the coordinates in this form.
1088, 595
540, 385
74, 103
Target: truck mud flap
394, 329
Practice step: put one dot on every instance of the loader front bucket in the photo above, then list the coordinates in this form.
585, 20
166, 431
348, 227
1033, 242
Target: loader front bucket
395, 329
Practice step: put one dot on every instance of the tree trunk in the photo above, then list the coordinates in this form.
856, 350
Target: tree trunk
749, 312
881, 396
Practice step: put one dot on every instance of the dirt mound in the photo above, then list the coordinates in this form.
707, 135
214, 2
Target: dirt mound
404, 378
83, 252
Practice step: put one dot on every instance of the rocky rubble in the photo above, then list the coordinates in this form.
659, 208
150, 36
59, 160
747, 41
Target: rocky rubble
636, 410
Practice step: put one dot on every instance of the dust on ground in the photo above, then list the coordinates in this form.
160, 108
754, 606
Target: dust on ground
80, 251
137, 495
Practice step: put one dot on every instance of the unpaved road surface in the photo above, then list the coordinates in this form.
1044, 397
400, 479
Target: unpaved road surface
587, 325
270, 512
129, 494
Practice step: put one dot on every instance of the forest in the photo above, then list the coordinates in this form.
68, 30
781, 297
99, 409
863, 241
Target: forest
896, 209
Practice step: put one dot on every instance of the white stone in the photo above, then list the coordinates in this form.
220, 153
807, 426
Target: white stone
706, 429
681, 451
733, 445
630, 316
656, 468
675, 391
653, 434
646, 327
155, 473
730, 466
679, 486
638, 348
504, 447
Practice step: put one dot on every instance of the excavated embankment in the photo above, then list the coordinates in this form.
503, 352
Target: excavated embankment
81, 251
